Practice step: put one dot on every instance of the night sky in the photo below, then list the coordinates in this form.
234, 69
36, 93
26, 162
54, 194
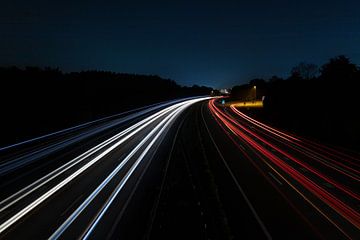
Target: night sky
214, 43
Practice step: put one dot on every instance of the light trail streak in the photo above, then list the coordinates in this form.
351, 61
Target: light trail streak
336, 165
131, 132
166, 122
245, 153
310, 182
148, 108
302, 164
57, 172
163, 125
34, 155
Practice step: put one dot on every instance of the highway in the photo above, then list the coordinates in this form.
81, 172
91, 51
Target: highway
66, 186
232, 177
320, 184
185, 169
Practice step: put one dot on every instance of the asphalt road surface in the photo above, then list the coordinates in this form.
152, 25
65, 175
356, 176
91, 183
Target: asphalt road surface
186, 169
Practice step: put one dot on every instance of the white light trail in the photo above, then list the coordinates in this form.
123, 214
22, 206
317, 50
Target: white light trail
136, 128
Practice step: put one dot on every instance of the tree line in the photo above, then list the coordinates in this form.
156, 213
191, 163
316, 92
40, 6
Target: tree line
320, 102
40, 100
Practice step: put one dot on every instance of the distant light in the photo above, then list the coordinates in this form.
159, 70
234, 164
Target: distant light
254, 87
224, 91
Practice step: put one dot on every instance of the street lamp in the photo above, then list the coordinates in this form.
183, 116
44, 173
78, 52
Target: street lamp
255, 92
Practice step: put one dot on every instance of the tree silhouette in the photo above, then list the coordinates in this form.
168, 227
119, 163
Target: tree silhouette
305, 71
322, 107
36, 101
339, 69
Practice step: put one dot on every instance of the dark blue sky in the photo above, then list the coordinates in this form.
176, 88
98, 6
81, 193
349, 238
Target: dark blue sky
214, 43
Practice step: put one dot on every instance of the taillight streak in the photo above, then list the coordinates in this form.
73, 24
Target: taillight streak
332, 201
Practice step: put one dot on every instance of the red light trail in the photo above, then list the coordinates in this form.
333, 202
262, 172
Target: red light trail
326, 178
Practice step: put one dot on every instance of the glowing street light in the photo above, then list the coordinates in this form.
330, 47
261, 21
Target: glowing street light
255, 92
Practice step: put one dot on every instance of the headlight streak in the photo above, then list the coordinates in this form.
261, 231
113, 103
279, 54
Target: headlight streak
344, 210
34, 155
131, 131
164, 123
148, 108
50, 176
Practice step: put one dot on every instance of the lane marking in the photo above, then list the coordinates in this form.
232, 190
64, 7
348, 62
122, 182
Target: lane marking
71, 205
277, 180
154, 210
257, 217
